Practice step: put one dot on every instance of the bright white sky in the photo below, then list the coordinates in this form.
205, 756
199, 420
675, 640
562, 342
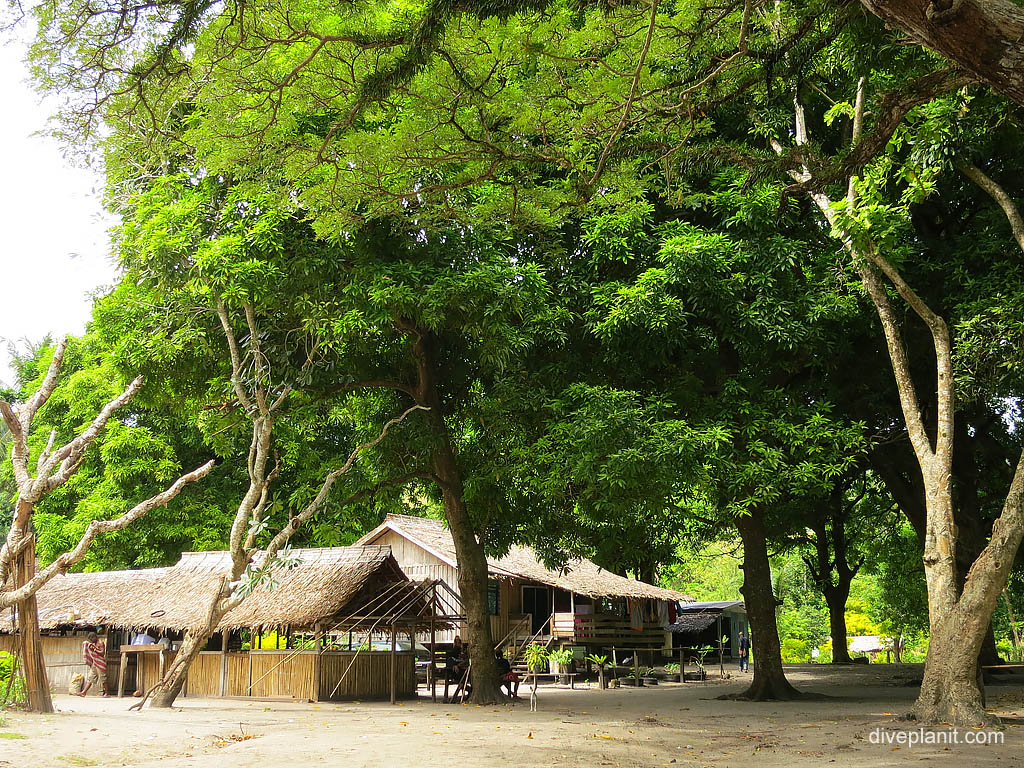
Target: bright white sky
54, 249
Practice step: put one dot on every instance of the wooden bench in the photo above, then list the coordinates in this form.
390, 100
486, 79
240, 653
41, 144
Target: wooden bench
526, 678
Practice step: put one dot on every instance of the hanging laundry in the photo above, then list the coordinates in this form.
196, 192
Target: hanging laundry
636, 615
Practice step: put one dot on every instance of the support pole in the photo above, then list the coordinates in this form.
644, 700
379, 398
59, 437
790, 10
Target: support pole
223, 687
432, 669
394, 664
120, 674
37, 688
721, 651
682, 665
252, 650
318, 639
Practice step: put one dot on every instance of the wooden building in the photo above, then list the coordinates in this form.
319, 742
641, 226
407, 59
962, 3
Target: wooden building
580, 604
705, 624
318, 606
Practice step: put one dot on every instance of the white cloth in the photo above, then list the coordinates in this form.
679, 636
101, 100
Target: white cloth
663, 614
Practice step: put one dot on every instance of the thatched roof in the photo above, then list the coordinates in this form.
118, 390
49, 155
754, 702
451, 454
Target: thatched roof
326, 583
580, 576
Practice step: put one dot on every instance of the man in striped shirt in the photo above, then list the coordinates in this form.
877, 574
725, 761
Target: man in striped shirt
95, 653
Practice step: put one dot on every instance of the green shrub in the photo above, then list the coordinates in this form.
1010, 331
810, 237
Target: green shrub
825, 653
535, 656
561, 658
795, 651
17, 688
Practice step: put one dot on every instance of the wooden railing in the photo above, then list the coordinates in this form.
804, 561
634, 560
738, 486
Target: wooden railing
603, 629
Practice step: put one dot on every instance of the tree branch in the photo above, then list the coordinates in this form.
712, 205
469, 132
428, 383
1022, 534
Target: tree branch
95, 528
997, 193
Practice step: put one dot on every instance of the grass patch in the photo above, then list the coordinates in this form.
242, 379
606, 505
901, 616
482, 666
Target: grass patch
9, 735
76, 760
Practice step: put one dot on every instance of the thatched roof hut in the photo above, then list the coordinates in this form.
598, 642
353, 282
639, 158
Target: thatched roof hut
325, 584
580, 576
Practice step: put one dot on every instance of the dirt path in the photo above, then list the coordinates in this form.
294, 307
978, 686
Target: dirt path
666, 725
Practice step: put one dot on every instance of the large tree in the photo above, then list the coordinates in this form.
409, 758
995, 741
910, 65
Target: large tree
55, 464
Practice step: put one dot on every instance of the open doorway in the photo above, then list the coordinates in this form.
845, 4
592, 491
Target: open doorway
537, 603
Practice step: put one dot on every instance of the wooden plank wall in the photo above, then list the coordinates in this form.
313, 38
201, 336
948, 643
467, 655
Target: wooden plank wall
64, 659
418, 564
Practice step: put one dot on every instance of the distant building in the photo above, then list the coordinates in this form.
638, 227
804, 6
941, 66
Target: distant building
702, 624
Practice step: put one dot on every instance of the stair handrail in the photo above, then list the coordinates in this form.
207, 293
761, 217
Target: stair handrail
533, 638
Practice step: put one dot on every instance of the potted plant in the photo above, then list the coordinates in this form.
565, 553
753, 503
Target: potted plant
536, 657
672, 672
698, 660
560, 660
647, 675
600, 662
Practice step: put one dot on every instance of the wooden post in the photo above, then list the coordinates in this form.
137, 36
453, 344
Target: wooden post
432, 670
37, 688
252, 649
222, 690
394, 664
682, 665
318, 638
120, 674
636, 667
721, 651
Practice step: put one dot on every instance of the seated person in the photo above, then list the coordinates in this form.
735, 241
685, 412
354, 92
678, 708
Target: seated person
506, 674
143, 638
455, 660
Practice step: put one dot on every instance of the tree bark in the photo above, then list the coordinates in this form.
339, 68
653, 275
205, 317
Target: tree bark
985, 37
835, 599
769, 681
950, 690
36, 684
169, 688
469, 550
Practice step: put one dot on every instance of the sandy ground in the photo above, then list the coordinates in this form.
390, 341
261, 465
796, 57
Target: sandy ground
670, 724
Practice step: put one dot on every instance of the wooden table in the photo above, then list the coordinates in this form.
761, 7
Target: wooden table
139, 666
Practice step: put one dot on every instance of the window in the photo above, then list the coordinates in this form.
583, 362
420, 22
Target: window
493, 597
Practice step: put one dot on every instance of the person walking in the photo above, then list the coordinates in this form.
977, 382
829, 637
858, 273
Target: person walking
94, 651
744, 646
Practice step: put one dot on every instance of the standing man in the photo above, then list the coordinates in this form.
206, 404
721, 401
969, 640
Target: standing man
744, 651
94, 651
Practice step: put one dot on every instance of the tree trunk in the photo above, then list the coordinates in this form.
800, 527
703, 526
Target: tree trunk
169, 688
34, 665
835, 599
769, 681
469, 551
985, 37
951, 688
